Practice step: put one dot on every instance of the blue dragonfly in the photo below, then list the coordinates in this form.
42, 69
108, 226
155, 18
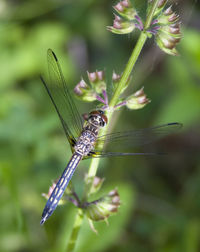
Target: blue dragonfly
83, 137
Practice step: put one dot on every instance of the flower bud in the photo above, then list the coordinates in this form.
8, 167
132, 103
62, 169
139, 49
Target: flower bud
84, 92
126, 10
97, 81
168, 37
101, 209
116, 77
81, 87
166, 46
95, 91
116, 80
121, 26
138, 100
168, 17
161, 3
94, 183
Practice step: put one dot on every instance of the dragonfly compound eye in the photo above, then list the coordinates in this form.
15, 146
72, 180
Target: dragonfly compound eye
104, 119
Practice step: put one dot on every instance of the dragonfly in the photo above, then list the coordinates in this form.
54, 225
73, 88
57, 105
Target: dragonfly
83, 136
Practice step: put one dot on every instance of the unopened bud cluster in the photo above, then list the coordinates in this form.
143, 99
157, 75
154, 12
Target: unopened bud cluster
97, 91
135, 101
165, 25
169, 34
167, 28
102, 208
126, 18
89, 92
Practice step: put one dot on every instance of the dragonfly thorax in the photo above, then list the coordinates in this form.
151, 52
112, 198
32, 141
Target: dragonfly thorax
85, 142
87, 139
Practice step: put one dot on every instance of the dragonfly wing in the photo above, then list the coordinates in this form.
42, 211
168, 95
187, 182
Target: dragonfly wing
62, 99
114, 143
102, 154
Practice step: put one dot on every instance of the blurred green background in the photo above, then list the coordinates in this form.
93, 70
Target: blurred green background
160, 196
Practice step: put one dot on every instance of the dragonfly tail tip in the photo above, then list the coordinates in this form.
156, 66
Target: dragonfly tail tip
43, 220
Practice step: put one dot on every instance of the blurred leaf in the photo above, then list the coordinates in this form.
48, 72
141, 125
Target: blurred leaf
183, 104
191, 237
29, 50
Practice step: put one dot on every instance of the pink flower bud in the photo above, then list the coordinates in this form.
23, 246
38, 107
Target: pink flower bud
138, 100
116, 77
92, 76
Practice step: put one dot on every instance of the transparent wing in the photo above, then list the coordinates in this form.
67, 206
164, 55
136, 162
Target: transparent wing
62, 100
102, 154
115, 143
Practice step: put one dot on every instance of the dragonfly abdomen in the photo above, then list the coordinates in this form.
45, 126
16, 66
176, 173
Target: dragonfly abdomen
60, 187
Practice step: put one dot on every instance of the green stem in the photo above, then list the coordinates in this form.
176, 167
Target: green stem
93, 167
150, 14
76, 228
94, 164
124, 79
128, 69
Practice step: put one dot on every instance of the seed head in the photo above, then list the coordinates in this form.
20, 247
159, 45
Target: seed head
169, 34
102, 208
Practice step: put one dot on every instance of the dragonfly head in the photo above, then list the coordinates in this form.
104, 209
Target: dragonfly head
97, 118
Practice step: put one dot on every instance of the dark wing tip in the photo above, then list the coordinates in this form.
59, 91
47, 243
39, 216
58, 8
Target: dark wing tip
41, 78
51, 52
180, 125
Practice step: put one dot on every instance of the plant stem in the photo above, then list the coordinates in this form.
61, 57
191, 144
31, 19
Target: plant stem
128, 69
123, 82
150, 14
76, 227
